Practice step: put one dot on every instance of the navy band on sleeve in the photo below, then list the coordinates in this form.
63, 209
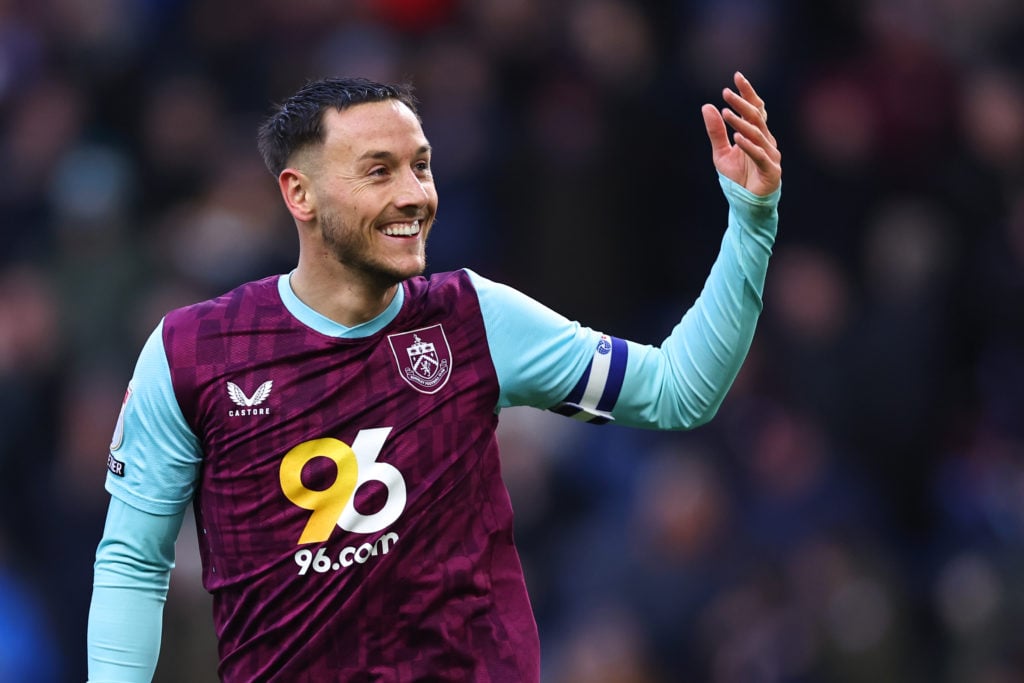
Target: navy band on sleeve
595, 394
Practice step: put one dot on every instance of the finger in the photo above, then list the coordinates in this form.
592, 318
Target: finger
767, 162
756, 132
746, 108
755, 151
744, 112
715, 126
746, 89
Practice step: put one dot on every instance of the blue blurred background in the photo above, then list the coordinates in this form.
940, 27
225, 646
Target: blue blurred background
856, 510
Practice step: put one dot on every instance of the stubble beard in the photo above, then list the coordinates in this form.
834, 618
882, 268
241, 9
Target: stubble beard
354, 250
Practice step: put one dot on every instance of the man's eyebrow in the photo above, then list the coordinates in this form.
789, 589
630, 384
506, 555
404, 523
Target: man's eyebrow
384, 155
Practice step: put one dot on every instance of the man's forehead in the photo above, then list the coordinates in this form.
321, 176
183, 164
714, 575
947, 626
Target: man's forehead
368, 123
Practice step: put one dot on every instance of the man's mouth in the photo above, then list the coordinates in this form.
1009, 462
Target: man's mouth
402, 229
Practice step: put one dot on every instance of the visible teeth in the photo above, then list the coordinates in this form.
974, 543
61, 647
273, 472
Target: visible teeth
403, 229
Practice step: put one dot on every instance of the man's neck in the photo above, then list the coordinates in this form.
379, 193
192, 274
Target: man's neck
347, 302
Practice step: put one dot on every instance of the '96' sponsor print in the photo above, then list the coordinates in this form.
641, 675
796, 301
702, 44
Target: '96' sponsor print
335, 505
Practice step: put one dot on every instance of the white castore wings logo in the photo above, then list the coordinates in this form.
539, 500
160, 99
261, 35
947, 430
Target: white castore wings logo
258, 396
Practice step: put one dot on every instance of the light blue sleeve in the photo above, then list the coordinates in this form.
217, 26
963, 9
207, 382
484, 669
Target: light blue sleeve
544, 360
152, 468
538, 354
154, 456
132, 573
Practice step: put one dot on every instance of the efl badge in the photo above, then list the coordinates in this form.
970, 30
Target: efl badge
118, 439
424, 358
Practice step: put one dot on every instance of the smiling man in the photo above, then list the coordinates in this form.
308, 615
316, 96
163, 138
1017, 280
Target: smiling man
334, 427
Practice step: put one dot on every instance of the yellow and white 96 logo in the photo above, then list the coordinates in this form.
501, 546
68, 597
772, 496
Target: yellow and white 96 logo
334, 505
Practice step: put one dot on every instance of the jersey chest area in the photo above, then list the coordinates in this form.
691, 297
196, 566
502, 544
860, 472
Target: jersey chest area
307, 439
272, 392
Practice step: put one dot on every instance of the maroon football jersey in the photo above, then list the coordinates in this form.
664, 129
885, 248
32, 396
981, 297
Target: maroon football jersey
352, 518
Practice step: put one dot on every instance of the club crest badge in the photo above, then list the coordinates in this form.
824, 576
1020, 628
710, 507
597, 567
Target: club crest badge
424, 358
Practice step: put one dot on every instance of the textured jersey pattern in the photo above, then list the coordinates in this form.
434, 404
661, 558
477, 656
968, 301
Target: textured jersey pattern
437, 593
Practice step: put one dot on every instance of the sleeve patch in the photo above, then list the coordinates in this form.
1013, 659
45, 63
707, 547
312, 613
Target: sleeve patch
597, 391
115, 466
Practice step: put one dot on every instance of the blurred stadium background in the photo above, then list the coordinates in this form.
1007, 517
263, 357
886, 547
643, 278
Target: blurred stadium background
856, 510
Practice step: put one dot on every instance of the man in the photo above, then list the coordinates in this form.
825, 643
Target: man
334, 427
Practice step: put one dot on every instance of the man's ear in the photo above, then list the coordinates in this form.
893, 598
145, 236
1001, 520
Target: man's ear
298, 194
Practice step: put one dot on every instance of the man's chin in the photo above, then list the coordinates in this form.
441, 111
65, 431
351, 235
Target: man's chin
412, 269
388, 276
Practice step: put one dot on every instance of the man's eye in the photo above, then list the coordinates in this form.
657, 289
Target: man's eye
378, 171
423, 166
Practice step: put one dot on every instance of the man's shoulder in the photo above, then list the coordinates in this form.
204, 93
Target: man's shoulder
448, 277
247, 296
446, 283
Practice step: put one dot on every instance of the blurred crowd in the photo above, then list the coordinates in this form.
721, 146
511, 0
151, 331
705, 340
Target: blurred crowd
856, 510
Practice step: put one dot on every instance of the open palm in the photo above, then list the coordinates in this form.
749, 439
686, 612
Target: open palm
752, 159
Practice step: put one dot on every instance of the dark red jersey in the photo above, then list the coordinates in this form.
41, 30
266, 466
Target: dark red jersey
353, 522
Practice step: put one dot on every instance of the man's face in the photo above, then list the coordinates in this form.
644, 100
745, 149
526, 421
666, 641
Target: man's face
376, 199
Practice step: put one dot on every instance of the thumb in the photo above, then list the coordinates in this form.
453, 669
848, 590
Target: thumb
717, 133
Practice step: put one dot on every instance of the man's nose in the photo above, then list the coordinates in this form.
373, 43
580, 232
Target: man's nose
412, 190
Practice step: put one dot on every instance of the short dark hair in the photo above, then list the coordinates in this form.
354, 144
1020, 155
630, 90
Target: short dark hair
298, 121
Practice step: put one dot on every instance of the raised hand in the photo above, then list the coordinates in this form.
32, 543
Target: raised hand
752, 159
